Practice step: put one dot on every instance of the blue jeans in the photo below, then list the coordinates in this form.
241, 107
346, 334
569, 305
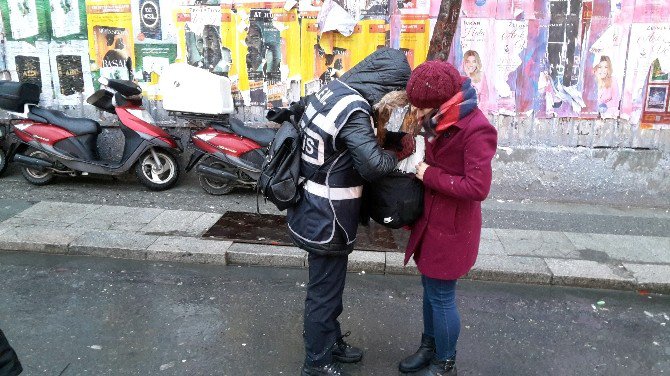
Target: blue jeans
441, 319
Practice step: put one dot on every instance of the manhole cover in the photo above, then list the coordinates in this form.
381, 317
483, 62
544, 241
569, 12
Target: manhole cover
271, 229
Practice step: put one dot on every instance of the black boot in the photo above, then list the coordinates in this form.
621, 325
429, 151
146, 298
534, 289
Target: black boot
439, 368
345, 353
332, 369
421, 358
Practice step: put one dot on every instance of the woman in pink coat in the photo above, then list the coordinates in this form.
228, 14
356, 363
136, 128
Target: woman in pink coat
456, 174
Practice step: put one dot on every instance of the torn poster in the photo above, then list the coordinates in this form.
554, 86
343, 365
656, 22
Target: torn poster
71, 72
27, 62
334, 17
511, 42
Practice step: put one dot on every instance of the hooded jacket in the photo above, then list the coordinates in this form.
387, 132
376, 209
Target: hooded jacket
340, 145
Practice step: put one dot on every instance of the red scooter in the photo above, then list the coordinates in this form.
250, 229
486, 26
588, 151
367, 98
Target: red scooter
233, 155
228, 154
48, 143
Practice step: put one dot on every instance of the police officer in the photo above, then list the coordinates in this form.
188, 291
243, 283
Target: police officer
339, 153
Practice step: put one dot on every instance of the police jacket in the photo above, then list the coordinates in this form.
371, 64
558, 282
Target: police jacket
340, 152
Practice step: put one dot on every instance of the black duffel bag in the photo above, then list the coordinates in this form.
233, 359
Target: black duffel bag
394, 201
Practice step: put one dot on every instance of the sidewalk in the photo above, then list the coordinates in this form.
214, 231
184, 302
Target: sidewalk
626, 262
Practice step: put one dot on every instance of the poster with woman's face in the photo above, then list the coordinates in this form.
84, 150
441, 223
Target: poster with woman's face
472, 53
603, 78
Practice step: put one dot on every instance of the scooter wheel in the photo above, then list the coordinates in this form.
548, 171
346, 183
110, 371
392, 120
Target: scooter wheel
214, 186
37, 176
154, 178
3, 161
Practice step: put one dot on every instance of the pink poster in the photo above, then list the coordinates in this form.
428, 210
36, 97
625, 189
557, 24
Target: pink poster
522, 9
604, 69
472, 53
510, 41
478, 8
528, 94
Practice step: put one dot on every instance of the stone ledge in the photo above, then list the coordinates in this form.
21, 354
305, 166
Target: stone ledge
367, 261
112, 244
651, 277
592, 274
190, 250
511, 269
266, 255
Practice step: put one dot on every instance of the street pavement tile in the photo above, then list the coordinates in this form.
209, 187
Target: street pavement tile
32, 222
651, 277
266, 255
58, 211
38, 239
511, 269
491, 247
658, 246
139, 218
367, 261
178, 222
617, 247
394, 264
586, 273
112, 244
536, 243
187, 249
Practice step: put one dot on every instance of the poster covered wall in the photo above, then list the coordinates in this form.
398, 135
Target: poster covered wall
71, 72
25, 19
29, 62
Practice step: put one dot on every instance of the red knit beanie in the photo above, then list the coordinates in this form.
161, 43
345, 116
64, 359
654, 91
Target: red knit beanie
433, 83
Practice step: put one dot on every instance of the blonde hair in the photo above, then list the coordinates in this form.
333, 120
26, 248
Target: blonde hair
477, 74
604, 83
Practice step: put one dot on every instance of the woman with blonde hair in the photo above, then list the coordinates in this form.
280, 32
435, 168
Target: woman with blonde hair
473, 69
608, 93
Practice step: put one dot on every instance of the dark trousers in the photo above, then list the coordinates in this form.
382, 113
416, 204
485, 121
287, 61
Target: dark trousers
9, 362
323, 306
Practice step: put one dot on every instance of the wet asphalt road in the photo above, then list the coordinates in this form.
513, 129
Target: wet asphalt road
498, 211
89, 316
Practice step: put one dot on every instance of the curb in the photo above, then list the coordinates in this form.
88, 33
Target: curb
184, 249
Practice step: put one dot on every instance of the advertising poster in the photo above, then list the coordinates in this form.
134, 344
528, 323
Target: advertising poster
509, 46
309, 8
479, 8
563, 96
28, 62
656, 112
648, 61
415, 40
153, 21
150, 61
529, 95
68, 19
110, 38
604, 72
522, 9
25, 19
71, 72
269, 49
472, 53
414, 8
203, 37
312, 54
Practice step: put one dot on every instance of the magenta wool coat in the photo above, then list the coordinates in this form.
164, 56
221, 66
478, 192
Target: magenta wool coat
445, 240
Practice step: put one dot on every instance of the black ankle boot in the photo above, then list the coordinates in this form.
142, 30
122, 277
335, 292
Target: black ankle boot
421, 358
332, 369
345, 353
439, 368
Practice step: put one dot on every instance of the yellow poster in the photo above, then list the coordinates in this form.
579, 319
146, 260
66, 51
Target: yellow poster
268, 48
110, 38
206, 38
373, 36
415, 40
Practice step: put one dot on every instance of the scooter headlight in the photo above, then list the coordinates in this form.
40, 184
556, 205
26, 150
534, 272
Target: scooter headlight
144, 115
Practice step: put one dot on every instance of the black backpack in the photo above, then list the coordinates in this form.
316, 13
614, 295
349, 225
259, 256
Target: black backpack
394, 201
279, 181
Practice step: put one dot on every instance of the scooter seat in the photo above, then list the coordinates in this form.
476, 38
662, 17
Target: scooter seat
78, 126
263, 136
